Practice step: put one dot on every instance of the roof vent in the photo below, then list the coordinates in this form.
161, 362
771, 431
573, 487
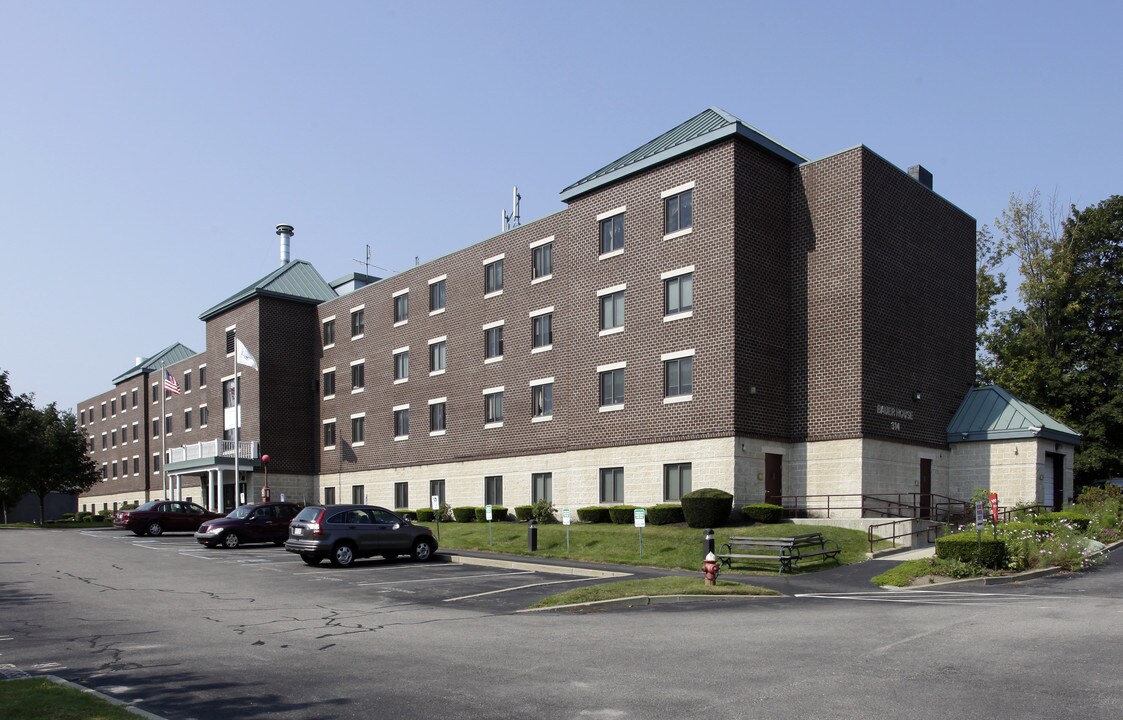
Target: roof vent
921, 175
286, 233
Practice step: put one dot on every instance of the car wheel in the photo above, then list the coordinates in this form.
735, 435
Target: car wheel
343, 555
231, 540
154, 528
422, 550
310, 559
138, 533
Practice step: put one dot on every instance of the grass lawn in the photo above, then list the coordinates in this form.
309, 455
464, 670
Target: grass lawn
41, 699
665, 546
654, 586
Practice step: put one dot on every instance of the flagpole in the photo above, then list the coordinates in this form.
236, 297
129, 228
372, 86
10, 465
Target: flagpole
163, 433
237, 423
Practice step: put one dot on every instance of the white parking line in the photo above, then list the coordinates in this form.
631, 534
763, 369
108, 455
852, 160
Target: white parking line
934, 597
520, 587
461, 577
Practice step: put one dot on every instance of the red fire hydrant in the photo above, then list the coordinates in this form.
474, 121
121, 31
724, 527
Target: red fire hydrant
711, 567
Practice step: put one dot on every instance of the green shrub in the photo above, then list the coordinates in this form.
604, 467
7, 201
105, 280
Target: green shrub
593, 514
498, 513
966, 547
524, 512
1077, 520
68, 517
544, 512
425, 515
664, 514
707, 508
763, 512
622, 514
84, 516
405, 513
464, 513
1099, 494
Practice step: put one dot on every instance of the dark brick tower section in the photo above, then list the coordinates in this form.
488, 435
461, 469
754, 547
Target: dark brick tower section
287, 350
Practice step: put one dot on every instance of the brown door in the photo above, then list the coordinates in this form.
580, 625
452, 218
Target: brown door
773, 479
1058, 481
925, 488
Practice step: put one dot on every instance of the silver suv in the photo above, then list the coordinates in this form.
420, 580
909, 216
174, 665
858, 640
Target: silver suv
345, 533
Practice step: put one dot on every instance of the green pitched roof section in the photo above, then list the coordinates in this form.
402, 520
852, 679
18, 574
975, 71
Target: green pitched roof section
706, 127
991, 413
168, 356
296, 280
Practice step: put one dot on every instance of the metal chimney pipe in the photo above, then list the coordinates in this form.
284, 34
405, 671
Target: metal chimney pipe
286, 233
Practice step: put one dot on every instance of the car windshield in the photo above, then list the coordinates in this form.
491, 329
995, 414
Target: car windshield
240, 513
152, 505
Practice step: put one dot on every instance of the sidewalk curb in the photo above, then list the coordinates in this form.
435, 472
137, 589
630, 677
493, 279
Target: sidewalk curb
641, 600
537, 567
128, 707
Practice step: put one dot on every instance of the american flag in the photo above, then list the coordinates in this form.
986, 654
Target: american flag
170, 384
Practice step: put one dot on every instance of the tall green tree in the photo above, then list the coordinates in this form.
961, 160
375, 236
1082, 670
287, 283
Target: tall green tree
17, 416
61, 464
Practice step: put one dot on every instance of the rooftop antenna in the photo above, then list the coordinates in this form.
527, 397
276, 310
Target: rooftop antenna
513, 220
366, 263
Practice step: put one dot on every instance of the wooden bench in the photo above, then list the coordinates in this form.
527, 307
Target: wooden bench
787, 552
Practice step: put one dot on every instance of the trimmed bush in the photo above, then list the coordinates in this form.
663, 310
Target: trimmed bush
68, 517
425, 515
621, 514
498, 514
763, 512
966, 547
1080, 521
593, 514
664, 514
524, 512
464, 514
405, 513
707, 508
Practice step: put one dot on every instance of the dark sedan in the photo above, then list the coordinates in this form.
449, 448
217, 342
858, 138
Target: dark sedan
161, 516
265, 522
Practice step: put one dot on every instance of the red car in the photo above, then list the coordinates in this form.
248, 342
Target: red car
161, 516
265, 522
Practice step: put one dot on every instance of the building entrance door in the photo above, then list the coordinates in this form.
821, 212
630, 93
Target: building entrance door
773, 478
925, 503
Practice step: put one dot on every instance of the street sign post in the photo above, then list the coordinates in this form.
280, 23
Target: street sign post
640, 517
487, 516
565, 521
435, 503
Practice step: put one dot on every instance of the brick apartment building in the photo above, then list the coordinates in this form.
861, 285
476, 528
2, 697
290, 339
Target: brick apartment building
709, 310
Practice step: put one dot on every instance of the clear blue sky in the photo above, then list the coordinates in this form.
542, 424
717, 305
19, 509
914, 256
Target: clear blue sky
148, 149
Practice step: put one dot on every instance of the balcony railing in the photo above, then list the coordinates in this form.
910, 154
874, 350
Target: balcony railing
247, 450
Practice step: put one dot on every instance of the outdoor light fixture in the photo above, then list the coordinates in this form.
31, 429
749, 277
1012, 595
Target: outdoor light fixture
916, 396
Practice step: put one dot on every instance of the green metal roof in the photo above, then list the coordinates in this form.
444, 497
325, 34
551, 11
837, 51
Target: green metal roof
991, 413
296, 280
168, 356
704, 128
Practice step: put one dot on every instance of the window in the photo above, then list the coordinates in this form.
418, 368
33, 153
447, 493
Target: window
678, 374
401, 495
401, 422
155, 428
105, 437
437, 487
329, 496
676, 481
113, 406
401, 307
493, 342
134, 393
329, 434
542, 399
357, 325
611, 309
186, 384
493, 406
155, 462
83, 416
113, 438
493, 490
678, 294
357, 494
358, 376
187, 419
329, 332
136, 432
612, 234
104, 471
493, 276
230, 340
542, 327
358, 426
202, 416
542, 259
202, 376
167, 424
136, 465
437, 409
678, 211
228, 393
541, 487
436, 297
155, 393
438, 350
612, 387
114, 468
612, 485
401, 364
329, 384
103, 409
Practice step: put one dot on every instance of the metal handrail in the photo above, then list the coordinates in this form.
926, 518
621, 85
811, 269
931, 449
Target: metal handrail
939, 508
937, 527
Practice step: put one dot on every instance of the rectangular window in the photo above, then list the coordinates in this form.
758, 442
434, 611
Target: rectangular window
329, 332
136, 466
612, 485
156, 462
329, 496
113, 438
542, 400
135, 393
203, 376
136, 432
357, 326
401, 495
493, 490
437, 487
155, 394
357, 494
436, 295
612, 234
103, 409
541, 487
113, 406
612, 387
678, 294
358, 376
612, 310
493, 342
202, 416
401, 307
678, 377
187, 419
155, 428
493, 407
329, 383
542, 258
678, 212
329, 434
104, 471
167, 424
676, 481
83, 416
186, 384
114, 468
437, 356
230, 341
437, 416
401, 364
401, 423
358, 427
493, 276
543, 330
228, 393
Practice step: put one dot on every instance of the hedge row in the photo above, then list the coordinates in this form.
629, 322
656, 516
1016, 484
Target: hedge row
763, 512
464, 513
967, 547
1078, 520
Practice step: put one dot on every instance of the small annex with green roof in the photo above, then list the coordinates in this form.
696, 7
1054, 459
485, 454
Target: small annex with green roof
168, 356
